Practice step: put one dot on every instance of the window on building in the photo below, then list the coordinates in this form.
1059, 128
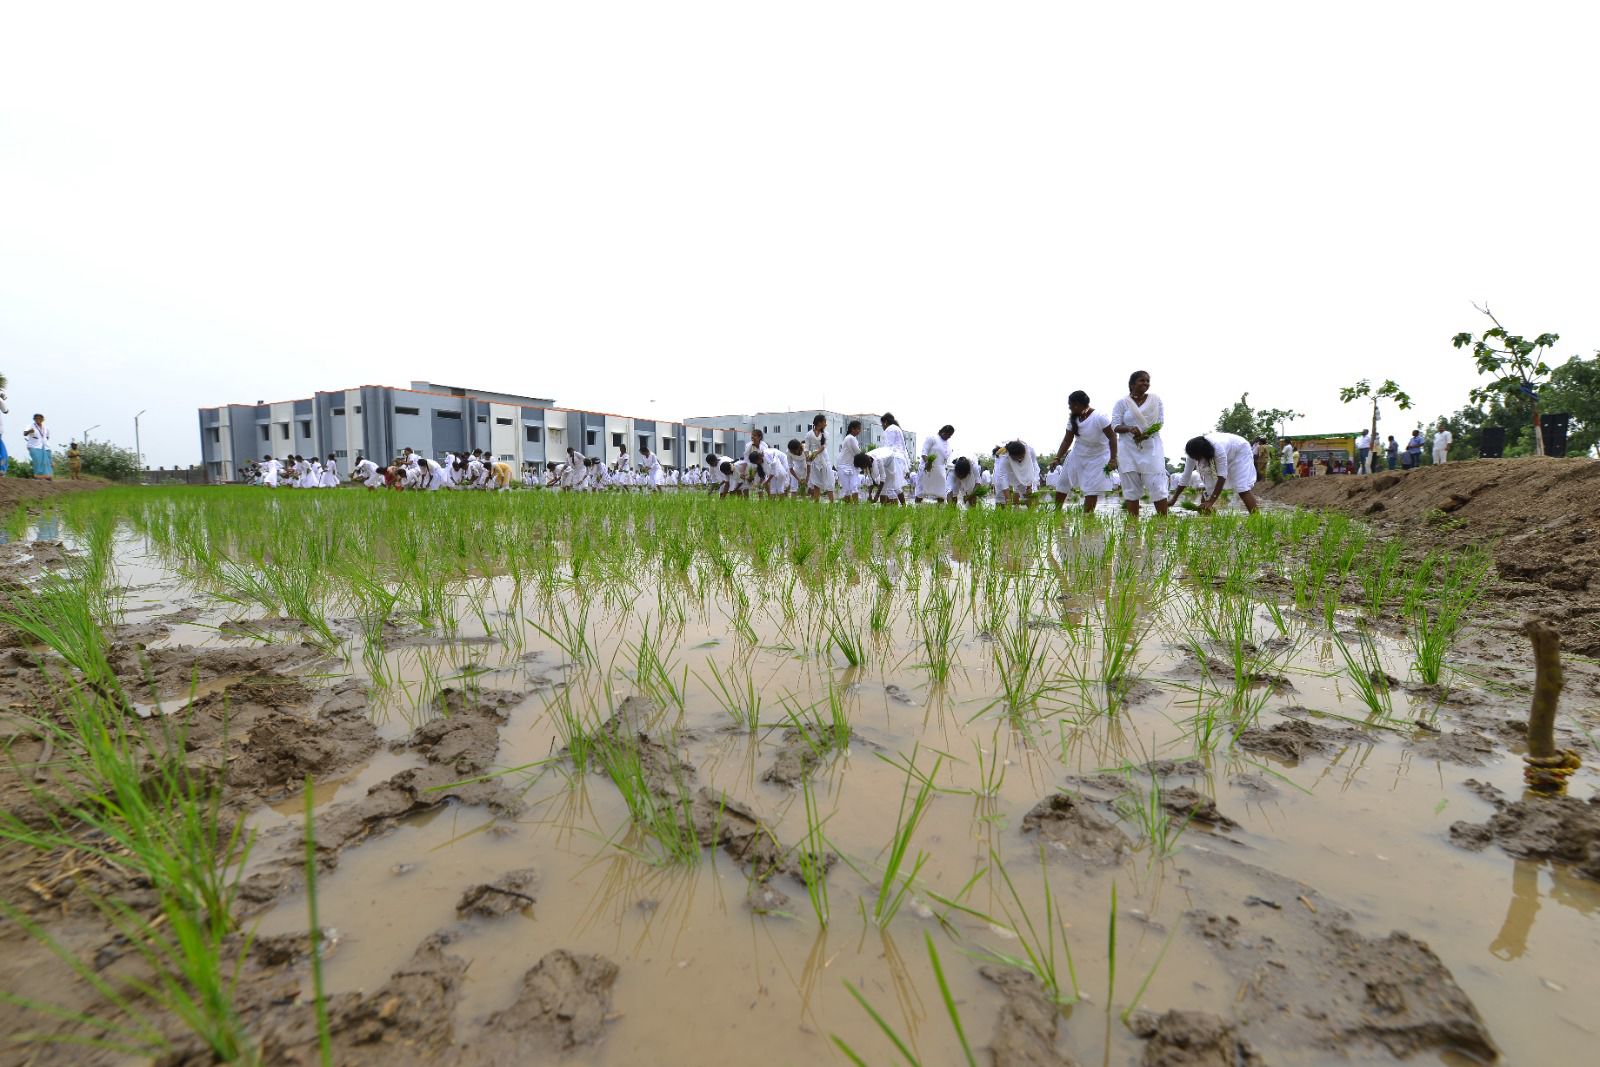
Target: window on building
502, 422
266, 432
305, 427
358, 409
616, 440
531, 434
448, 415
341, 453
692, 445
589, 437
283, 430
666, 444
216, 435
483, 418
507, 457
407, 411
799, 429
338, 411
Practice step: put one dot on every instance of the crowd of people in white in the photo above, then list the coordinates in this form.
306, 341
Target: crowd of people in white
1100, 454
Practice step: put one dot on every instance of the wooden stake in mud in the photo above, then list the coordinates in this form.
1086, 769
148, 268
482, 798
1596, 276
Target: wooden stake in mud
1548, 768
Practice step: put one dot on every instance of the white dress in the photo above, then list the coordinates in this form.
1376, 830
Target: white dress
888, 470
1233, 461
820, 475
1142, 465
776, 465
932, 483
1085, 465
849, 477
1020, 477
330, 475
965, 487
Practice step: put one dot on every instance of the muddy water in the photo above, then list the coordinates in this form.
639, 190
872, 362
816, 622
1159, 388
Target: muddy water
704, 978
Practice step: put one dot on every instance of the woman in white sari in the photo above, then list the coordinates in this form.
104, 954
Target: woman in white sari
1141, 458
932, 483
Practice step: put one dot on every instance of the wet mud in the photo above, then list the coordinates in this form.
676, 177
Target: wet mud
1561, 829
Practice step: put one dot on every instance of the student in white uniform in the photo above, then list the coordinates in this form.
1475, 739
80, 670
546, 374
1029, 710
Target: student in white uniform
1223, 461
1093, 447
799, 468
1018, 465
819, 472
330, 472
883, 472
1442, 440
365, 472
1141, 457
771, 470
650, 468
849, 474
270, 470
932, 480
964, 482
893, 436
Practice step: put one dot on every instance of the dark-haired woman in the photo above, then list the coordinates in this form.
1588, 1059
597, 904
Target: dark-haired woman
1223, 461
1016, 473
1094, 450
1141, 458
819, 473
849, 474
964, 482
932, 482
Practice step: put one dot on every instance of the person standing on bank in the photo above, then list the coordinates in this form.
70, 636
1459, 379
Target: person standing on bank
1393, 452
1141, 457
1223, 462
1442, 440
74, 461
1414, 450
5, 459
37, 439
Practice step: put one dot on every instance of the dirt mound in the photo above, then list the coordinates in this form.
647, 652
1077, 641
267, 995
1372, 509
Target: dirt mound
1025, 1032
1191, 1039
1559, 828
1293, 739
1539, 517
26, 490
1070, 824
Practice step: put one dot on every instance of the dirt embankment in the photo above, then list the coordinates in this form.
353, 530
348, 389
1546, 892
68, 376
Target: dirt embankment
21, 490
1540, 518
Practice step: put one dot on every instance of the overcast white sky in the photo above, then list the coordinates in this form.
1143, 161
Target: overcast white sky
960, 212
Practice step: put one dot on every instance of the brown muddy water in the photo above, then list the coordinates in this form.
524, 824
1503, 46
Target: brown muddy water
1273, 912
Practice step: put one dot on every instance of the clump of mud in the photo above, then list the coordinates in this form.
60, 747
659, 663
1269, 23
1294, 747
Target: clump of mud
1072, 825
1293, 739
1025, 1030
1191, 1039
1562, 829
512, 891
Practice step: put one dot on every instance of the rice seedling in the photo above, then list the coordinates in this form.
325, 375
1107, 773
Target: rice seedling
666, 818
737, 692
1039, 941
1366, 675
888, 1031
1145, 808
897, 879
811, 855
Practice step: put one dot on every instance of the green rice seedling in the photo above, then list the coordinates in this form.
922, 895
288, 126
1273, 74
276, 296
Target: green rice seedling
1145, 809
811, 857
1111, 951
844, 638
1431, 634
1039, 948
1119, 635
655, 677
59, 614
666, 820
936, 624
1378, 577
570, 634
164, 827
897, 879
991, 766
1367, 676
888, 1031
737, 691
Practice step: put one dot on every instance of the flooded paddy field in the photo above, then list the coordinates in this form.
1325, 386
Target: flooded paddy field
668, 779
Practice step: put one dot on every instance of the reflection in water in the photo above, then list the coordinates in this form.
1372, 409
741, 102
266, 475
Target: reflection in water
1512, 940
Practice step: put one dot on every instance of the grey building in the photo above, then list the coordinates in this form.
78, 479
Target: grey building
379, 421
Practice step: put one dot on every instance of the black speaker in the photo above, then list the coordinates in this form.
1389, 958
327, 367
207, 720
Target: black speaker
1492, 442
1555, 433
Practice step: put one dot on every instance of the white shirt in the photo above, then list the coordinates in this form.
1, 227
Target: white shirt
937, 447
36, 436
1363, 441
1443, 439
1091, 439
1018, 475
849, 448
1230, 451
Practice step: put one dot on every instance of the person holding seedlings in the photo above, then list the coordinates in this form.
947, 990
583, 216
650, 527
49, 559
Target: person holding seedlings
933, 481
1142, 458
799, 468
1094, 452
882, 470
37, 438
365, 472
849, 473
819, 472
1223, 462
964, 482
769, 469
1018, 464
650, 465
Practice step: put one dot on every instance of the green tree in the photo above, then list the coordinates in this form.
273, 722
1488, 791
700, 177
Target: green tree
1516, 363
1575, 389
1251, 423
103, 460
1387, 391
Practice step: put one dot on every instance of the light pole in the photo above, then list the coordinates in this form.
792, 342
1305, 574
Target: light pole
138, 453
85, 437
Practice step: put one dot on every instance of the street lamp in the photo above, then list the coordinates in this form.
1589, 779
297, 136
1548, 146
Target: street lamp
138, 453
84, 437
